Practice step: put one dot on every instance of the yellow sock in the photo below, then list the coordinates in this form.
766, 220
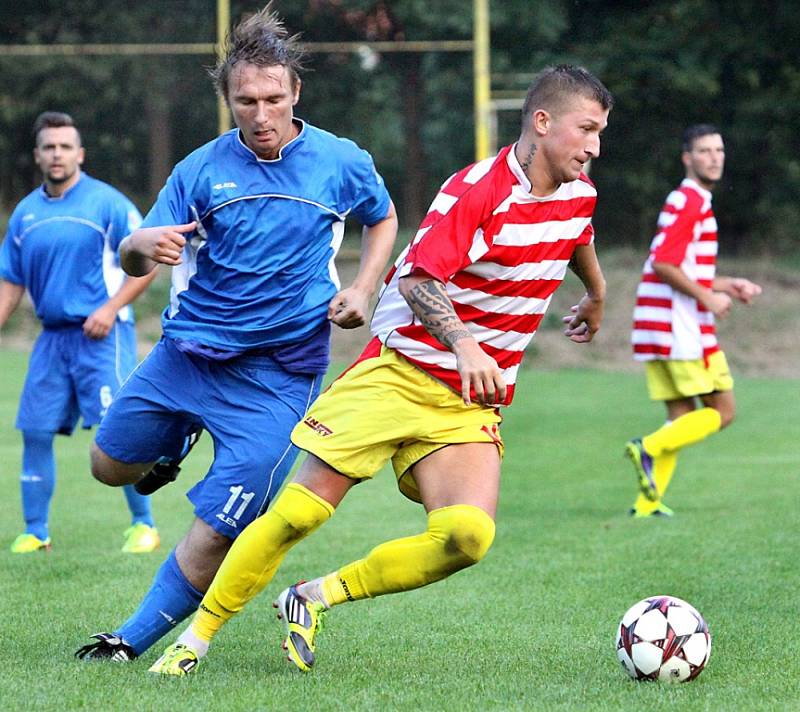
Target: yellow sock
457, 536
256, 554
686, 430
664, 468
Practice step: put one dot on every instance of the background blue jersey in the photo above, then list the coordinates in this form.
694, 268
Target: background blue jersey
258, 272
64, 250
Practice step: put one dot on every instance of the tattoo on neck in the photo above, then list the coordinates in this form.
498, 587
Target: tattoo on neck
526, 162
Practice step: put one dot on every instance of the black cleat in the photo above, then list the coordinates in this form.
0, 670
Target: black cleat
163, 473
108, 647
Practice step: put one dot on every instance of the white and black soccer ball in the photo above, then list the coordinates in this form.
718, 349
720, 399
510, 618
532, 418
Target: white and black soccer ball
663, 638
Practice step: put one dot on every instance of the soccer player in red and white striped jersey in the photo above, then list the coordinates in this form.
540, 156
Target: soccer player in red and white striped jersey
678, 298
451, 326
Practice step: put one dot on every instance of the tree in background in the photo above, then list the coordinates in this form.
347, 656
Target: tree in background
669, 63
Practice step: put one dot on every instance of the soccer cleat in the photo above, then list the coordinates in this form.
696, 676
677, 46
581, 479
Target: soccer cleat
643, 464
28, 543
162, 473
109, 646
303, 620
141, 539
178, 659
662, 510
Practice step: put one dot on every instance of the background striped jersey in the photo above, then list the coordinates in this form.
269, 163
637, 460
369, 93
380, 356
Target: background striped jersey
668, 324
500, 251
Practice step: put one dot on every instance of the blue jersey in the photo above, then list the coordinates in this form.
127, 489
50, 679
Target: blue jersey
258, 271
64, 250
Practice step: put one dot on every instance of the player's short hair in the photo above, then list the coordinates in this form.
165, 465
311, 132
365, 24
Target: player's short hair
555, 87
261, 39
53, 120
692, 133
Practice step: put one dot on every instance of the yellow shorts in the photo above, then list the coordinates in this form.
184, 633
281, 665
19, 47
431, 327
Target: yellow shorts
674, 380
384, 408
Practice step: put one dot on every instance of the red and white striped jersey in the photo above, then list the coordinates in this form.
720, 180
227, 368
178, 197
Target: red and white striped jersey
668, 324
501, 253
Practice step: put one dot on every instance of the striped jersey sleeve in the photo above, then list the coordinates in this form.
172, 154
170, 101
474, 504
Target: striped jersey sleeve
668, 324
501, 254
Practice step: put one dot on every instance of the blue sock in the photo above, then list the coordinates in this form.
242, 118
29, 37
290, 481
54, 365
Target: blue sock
170, 600
139, 504
38, 480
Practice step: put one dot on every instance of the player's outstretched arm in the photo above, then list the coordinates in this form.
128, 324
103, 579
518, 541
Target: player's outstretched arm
587, 315
10, 296
143, 249
349, 307
737, 287
427, 298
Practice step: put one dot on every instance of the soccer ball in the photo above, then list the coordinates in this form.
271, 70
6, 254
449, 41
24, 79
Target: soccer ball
663, 638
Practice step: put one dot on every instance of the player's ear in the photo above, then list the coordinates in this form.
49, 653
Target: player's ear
297, 85
541, 121
81, 155
686, 159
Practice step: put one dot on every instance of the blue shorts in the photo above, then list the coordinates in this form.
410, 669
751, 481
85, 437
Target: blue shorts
72, 376
249, 405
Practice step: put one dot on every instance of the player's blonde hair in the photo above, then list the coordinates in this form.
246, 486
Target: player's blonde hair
260, 39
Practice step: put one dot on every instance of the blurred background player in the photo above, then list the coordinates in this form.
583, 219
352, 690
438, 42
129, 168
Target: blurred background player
677, 301
61, 246
251, 223
451, 327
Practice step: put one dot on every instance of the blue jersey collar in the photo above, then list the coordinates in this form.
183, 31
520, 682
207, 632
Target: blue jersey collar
284, 150
53, 198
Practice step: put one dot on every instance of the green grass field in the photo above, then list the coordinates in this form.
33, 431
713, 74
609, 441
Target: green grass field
530, 628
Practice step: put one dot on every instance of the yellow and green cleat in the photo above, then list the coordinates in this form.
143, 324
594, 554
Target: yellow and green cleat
643, 465
178, 659
141, 539
303, 620
28, 543
660, 510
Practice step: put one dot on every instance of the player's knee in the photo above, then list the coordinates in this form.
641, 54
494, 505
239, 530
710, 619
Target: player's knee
109, 471
468, 532
727, 415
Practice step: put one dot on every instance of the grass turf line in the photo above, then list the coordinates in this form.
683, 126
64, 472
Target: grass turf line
529, 628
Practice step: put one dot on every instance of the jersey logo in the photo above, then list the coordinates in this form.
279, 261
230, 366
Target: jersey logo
227, 184
28, 217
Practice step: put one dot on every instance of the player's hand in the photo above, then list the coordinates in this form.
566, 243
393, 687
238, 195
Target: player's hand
744, 290
99, 323
479, 373
718, 303
163, 244
348, 309
584, 322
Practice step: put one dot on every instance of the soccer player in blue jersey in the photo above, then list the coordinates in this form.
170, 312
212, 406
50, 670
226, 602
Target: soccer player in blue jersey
250, 223
61, 246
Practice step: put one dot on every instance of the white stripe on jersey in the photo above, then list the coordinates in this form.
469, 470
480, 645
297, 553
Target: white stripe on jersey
442, 203
676, 199
337, 235
656, 290
546, 269
662, 314
479, 247
480, 169
522, 235
659, 338
435, 357
666, 219
498, 305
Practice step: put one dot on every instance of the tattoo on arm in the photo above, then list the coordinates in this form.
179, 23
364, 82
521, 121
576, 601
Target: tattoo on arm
431, 305
529, 158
